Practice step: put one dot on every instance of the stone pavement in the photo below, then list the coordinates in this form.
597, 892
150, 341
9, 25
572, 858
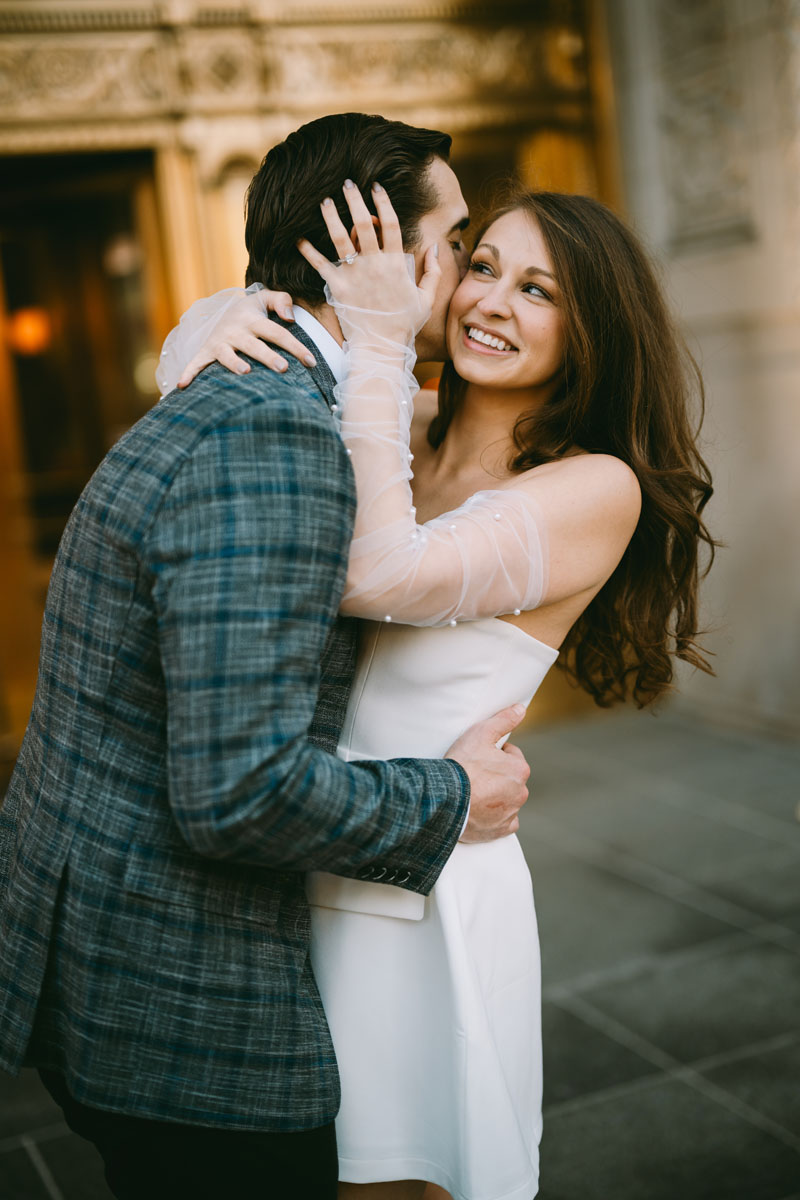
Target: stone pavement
666, 865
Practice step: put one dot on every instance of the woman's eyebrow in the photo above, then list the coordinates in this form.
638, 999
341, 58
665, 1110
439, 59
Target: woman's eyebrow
528, 270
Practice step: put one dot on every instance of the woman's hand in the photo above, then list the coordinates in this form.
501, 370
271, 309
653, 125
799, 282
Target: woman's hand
245, 327
373, 293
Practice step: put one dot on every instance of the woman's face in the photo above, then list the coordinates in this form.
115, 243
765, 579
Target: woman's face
505, 326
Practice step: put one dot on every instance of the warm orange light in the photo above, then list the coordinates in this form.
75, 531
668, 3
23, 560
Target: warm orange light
29, 331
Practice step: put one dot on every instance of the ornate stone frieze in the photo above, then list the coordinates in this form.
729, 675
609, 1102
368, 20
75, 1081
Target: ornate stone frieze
704, 123
399, 63
69, 68
56, 78
62, 16
219, 69
24, 16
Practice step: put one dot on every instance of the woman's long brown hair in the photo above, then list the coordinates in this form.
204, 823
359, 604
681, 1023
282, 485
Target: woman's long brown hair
629, 388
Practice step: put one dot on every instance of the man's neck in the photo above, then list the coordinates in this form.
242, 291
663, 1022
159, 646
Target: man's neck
327, 318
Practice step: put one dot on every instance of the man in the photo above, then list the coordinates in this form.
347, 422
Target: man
177, 778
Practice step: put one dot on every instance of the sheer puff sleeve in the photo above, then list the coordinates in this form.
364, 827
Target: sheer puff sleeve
486, 558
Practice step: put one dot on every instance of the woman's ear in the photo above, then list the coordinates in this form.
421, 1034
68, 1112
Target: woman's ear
354, 235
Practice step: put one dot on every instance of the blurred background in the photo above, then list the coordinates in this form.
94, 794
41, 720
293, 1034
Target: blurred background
130, 130
665, 854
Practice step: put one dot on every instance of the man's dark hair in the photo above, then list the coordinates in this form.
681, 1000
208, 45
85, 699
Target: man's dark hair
284, 197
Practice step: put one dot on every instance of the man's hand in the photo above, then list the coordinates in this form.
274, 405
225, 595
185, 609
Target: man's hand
497, 776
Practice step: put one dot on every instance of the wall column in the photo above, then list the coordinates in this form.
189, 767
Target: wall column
709, 106
184, 235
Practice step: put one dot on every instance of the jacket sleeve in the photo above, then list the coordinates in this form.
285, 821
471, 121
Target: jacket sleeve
247, 558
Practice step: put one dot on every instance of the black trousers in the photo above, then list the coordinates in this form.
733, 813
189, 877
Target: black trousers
160, 1160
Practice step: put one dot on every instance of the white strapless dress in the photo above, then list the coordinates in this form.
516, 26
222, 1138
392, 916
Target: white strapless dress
435, 1011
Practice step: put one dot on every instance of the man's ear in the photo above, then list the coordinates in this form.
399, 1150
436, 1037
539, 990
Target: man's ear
354, 235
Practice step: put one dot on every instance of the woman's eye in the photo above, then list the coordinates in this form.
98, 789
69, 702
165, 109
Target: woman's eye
533, 289
457, 247
479, 268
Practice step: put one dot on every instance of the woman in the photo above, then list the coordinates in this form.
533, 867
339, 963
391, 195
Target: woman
556, 486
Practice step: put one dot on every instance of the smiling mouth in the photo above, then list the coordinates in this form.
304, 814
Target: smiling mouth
487, 341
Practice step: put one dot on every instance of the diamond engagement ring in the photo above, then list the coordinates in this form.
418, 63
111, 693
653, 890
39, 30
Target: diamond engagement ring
348, 258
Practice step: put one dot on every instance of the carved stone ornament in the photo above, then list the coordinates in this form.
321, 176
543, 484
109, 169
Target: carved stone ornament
79, 73
704, 123
402, 62
57, 78
785, 21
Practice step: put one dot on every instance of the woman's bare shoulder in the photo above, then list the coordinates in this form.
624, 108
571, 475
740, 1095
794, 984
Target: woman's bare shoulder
590, 505
597, 477
594, 497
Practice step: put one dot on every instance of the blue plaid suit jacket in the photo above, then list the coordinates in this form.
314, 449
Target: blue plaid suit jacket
176, 780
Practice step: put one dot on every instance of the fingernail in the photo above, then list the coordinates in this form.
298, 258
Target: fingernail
309, 360
281, 364
376, 187
326, 201
436, 250
348, 183
287, 314
518, 710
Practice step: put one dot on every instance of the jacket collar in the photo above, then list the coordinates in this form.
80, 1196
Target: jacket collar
321, 373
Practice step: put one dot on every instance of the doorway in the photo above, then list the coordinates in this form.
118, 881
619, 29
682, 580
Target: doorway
84, 307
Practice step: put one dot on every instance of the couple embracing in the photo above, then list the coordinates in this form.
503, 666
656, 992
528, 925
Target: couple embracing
264, 925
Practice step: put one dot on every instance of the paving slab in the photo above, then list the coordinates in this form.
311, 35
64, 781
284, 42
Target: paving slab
592, 920
666, 1142
642, 823
767, 883
77, 1168
25, 1105
715, 765
579, 1060
19, 1179
710, 1005
768, 1080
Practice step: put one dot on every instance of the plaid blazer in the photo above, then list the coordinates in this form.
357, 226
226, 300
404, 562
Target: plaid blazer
167, 800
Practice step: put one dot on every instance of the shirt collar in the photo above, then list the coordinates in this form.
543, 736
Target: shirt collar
327, 345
